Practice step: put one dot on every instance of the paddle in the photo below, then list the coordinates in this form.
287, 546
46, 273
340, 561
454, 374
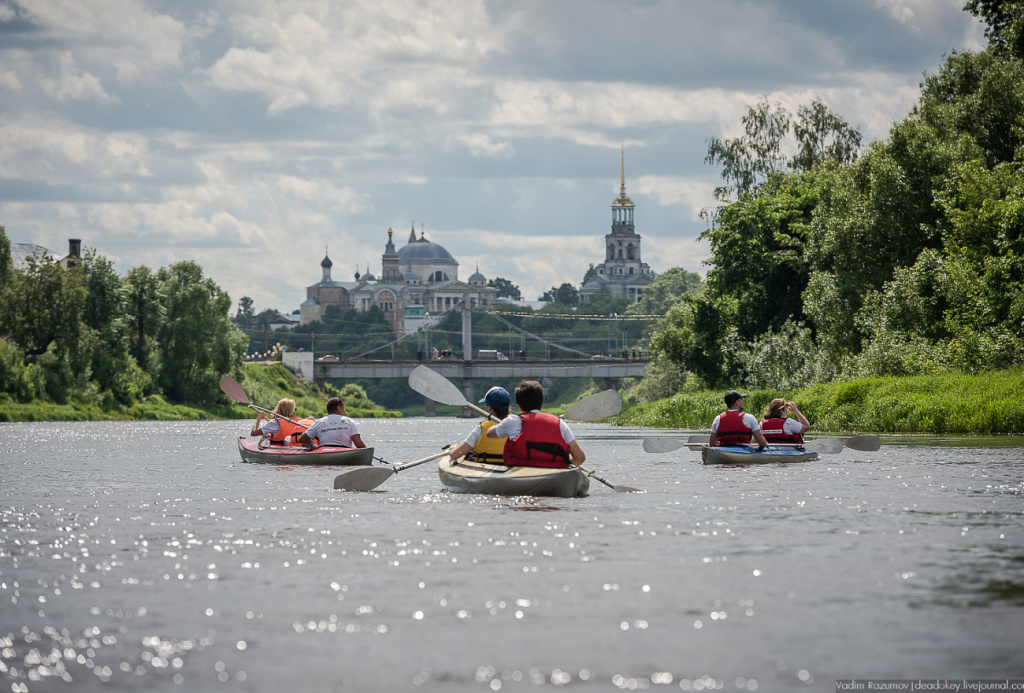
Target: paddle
669, 444
230, 387
602, 405
825, 446
369, 478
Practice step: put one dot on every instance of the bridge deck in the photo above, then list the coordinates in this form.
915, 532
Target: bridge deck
597, 368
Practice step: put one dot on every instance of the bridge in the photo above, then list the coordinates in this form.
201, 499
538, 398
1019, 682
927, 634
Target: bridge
466, 371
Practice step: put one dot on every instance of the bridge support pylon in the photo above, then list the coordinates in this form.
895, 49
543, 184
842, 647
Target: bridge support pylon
468, 391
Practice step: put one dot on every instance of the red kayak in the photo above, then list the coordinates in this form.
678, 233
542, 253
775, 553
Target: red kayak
259, 450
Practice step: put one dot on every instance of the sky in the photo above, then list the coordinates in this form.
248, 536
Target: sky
253, 136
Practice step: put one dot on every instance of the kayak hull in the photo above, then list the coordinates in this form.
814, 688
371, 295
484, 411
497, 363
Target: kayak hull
497, 479
257, 450
743, 454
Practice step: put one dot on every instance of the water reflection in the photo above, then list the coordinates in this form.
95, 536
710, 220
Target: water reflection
149, 556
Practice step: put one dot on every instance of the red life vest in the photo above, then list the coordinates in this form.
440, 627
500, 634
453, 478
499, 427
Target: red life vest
731, 429
289, 433
540, 443
775, 432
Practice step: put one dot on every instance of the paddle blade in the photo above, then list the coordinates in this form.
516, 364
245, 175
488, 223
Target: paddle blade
658, 445
436, 387
230, 387
863, 443
362, 479
825, 446
602, 405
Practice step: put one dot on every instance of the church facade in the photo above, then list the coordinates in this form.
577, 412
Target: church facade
417, 283
623, 272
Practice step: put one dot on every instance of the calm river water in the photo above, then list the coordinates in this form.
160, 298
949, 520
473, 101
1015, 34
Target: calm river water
147, 556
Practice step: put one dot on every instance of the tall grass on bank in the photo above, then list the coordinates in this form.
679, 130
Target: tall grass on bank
264, 384
940, 403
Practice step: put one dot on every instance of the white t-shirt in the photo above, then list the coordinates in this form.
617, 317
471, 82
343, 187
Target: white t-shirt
473, 436
749, 420
271, 427
334, 429
513, 426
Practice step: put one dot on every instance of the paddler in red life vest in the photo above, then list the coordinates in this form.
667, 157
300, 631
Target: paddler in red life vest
335, 429
734, 426
484, 449
777, 427
278, 429
536, 439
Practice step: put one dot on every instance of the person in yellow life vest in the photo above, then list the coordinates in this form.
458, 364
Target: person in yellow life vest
279, 430
486, 449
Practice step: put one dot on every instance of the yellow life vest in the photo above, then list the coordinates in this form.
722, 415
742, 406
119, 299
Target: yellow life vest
489, 450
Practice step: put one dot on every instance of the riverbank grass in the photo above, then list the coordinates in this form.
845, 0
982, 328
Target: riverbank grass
985, 403
265, 384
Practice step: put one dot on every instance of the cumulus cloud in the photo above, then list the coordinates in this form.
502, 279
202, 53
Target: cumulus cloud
302, 53
124, 34
161, 131
72, 86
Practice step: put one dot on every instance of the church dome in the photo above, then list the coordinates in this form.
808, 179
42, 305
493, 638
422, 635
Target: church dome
326, 262
477, 277
423, 249
368, 277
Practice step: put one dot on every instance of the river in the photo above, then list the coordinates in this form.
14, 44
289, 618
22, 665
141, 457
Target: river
147, 557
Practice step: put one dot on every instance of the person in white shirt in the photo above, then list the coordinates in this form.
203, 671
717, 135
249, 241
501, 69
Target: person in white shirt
335, 429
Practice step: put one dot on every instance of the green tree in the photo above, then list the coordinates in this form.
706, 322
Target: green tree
667, 288
198, 342
566, 294
757, 253
823, 137
506, 288
1005, 19
589, 274
243, 317
42, 307
103, 314
748, 159
143, 315
5, 259
694, 336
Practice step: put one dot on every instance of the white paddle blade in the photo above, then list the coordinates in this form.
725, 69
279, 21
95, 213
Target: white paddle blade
864, 443
230, 387
436, 387
659, 445
825, 446
602, 405
362, 479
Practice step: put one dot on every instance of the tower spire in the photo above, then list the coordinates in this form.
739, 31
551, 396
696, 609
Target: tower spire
622, 179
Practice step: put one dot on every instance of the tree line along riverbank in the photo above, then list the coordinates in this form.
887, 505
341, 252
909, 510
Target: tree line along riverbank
958, 403
265, 384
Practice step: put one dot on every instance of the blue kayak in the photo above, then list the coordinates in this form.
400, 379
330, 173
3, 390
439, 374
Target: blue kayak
744, 454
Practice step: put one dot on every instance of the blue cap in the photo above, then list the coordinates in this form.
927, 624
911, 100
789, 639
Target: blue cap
497, 398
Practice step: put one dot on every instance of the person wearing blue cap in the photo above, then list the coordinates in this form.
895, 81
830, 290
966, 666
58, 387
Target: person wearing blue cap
484, 448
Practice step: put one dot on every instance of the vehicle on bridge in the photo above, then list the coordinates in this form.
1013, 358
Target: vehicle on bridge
491, 355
